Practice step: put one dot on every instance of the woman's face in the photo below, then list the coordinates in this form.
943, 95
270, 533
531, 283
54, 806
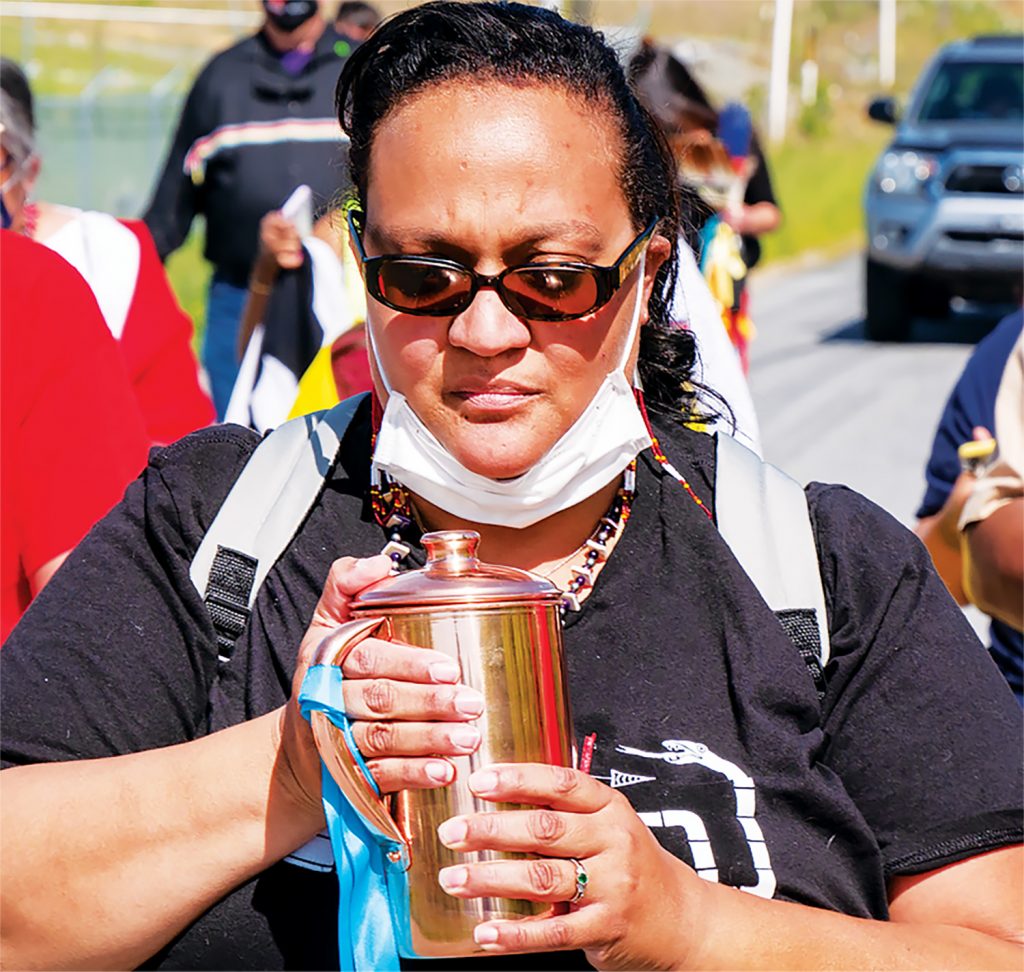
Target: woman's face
496, 176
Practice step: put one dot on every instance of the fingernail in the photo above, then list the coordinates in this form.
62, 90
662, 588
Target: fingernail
466, 738
453, 831
485, 934
483, 781
444, 671
439, 771
452, 878
469, 702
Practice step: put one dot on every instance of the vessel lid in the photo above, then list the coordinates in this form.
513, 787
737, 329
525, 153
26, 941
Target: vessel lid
454, 574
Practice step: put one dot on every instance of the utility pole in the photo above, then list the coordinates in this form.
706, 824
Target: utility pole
887, 43
778, 85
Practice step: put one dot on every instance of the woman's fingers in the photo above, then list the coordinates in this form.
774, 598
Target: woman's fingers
540, 880
375, 658
385, 698
382, 739
407, 773
580, 929
557, 787
346, 578
541, 831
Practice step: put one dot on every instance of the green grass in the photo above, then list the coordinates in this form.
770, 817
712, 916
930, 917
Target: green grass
820, 186
190, 274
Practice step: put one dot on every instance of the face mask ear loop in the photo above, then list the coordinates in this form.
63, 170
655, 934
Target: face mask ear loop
376, 357
634, 324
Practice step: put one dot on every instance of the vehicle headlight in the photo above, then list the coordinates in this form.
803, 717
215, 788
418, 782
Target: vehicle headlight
903, 172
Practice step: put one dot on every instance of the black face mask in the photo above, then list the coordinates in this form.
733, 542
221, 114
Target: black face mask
286, 15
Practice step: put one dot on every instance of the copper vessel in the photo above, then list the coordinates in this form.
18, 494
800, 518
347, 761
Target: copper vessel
503, 628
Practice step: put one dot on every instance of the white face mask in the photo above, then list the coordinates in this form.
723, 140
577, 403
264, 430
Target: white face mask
593, 452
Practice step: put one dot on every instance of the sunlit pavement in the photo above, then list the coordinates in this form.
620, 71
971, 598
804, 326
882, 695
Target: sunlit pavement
835, 407
838, 408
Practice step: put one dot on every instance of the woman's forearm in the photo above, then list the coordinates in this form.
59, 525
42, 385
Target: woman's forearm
746, 932
105, 861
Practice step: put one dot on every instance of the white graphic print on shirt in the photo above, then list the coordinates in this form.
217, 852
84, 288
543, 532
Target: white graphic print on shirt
682, 752
317, 856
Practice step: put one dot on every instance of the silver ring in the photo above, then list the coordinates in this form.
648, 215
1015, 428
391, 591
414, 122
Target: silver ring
582, 880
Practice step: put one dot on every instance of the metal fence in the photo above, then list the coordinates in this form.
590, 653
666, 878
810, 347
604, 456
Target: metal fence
102, 150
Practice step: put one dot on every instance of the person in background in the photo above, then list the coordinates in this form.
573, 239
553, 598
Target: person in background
728, 201
303, 335
258, 122
71, 435
686, 114
992, 523
355, 20
119, 262
986, 397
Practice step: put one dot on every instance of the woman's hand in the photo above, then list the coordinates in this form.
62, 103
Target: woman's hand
641, 906
407, 708
280, 238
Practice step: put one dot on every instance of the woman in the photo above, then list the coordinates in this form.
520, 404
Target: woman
302, 340
303, 333
494, 137
119, 261
728, 201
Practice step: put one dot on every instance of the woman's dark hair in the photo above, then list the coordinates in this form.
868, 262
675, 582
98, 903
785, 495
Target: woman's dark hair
16, 112
678, 88
357, 13
516, 44
14, 81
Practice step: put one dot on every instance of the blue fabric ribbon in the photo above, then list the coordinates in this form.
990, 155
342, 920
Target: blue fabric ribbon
366, 915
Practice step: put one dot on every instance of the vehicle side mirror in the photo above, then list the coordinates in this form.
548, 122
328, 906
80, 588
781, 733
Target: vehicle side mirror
883, 110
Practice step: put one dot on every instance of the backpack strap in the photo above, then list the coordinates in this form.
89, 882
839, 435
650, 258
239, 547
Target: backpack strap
762, 513
262, 513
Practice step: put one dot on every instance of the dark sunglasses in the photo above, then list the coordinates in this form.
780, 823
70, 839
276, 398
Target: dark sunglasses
435, 287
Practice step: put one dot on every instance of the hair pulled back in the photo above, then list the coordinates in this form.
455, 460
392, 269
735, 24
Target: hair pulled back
17, 113
516, 44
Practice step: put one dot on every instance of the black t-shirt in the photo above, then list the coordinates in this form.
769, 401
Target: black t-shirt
703, 712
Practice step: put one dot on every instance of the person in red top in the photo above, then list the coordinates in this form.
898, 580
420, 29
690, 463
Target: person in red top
71, 434
119, 261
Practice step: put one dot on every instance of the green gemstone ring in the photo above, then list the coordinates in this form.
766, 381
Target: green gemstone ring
582, 880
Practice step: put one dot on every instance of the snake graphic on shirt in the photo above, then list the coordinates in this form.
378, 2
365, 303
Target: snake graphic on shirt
683, 752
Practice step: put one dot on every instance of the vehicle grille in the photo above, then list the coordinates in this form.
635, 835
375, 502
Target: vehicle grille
983, 179
1004, 236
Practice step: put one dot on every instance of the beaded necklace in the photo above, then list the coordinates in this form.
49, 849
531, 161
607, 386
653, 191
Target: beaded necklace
596, 546
392, 510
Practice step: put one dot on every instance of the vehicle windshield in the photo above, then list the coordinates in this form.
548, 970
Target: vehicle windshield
975, 92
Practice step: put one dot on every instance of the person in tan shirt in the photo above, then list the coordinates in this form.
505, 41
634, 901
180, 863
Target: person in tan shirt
992, 522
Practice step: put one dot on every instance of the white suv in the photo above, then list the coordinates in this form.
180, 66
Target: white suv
945, 201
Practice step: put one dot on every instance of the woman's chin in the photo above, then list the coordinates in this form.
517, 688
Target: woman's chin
497, 460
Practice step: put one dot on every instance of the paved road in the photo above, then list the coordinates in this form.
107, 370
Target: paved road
837, 408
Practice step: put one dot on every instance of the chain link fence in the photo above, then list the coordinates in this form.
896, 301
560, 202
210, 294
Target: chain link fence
104, 153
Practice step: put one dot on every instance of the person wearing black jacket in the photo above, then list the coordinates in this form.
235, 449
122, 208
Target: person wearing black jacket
258, 122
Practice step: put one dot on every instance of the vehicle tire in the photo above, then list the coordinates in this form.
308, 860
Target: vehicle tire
888, 308
929, 297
